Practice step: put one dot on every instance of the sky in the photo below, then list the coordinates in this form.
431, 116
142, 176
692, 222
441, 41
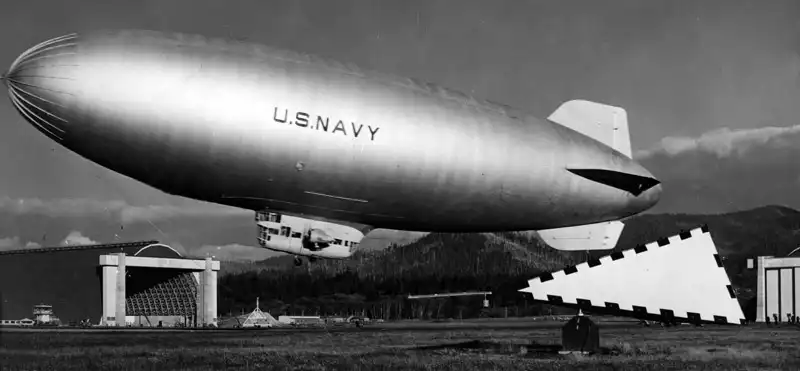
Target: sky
712, 90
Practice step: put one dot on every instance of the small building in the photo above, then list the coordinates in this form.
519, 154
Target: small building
300, 320
258, 319
25, 322
43, 314
778, 287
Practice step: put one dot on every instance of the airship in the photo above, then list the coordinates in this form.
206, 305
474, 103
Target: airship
325, 152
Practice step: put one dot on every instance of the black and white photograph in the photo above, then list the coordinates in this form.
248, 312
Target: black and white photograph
400, 185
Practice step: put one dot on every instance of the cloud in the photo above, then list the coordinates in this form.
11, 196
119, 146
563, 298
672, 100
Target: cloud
9, 243
233, 251
120, 210
196, 229
13, 243
760, 169
131, 214
721, 142
77, 238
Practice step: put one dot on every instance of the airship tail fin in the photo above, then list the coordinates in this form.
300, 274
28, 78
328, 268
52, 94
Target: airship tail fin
604, 123
599, 236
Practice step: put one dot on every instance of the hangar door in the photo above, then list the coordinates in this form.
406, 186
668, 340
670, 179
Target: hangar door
782, 297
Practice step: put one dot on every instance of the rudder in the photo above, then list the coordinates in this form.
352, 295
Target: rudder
604, 123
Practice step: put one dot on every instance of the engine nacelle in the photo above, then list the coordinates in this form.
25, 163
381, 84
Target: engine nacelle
306, 237
319, 236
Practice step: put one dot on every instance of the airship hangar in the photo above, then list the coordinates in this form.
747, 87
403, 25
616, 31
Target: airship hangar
777, 287
146, 283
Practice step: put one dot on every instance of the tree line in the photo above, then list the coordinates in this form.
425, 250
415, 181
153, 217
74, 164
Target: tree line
377, 283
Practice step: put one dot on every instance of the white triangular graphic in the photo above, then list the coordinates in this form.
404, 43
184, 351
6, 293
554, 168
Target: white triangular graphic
681, 276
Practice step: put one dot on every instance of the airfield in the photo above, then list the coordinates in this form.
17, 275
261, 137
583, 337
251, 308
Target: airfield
497, 344
725, 341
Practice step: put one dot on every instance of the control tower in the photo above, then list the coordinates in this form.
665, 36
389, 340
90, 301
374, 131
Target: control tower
43, 313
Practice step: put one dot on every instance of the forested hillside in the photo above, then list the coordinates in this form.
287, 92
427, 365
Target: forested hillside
378, 282
768, 230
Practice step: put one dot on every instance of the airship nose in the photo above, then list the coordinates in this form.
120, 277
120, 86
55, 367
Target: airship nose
650, 197
648, 192
40, 86
643, 188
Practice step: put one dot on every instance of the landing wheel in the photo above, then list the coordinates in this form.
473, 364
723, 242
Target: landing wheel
297, 261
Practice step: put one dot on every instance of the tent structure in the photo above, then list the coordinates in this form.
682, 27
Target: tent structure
257, 318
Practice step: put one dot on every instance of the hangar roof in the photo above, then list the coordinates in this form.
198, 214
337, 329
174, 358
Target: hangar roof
125, 245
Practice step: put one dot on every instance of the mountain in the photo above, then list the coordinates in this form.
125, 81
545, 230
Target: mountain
764, 231
499, 262
449, 253
223, 232
769, 230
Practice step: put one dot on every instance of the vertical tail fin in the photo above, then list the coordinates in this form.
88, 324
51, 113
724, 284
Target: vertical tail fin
608, 125
604, 123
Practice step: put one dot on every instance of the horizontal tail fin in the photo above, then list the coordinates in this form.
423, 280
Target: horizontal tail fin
604, 123
599, 236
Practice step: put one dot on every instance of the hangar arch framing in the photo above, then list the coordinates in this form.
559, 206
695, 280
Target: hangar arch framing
171, 296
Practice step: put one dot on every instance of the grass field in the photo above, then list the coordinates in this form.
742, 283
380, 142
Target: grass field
431, 346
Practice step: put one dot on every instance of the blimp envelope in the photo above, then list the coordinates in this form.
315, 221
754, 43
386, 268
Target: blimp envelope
677, 278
